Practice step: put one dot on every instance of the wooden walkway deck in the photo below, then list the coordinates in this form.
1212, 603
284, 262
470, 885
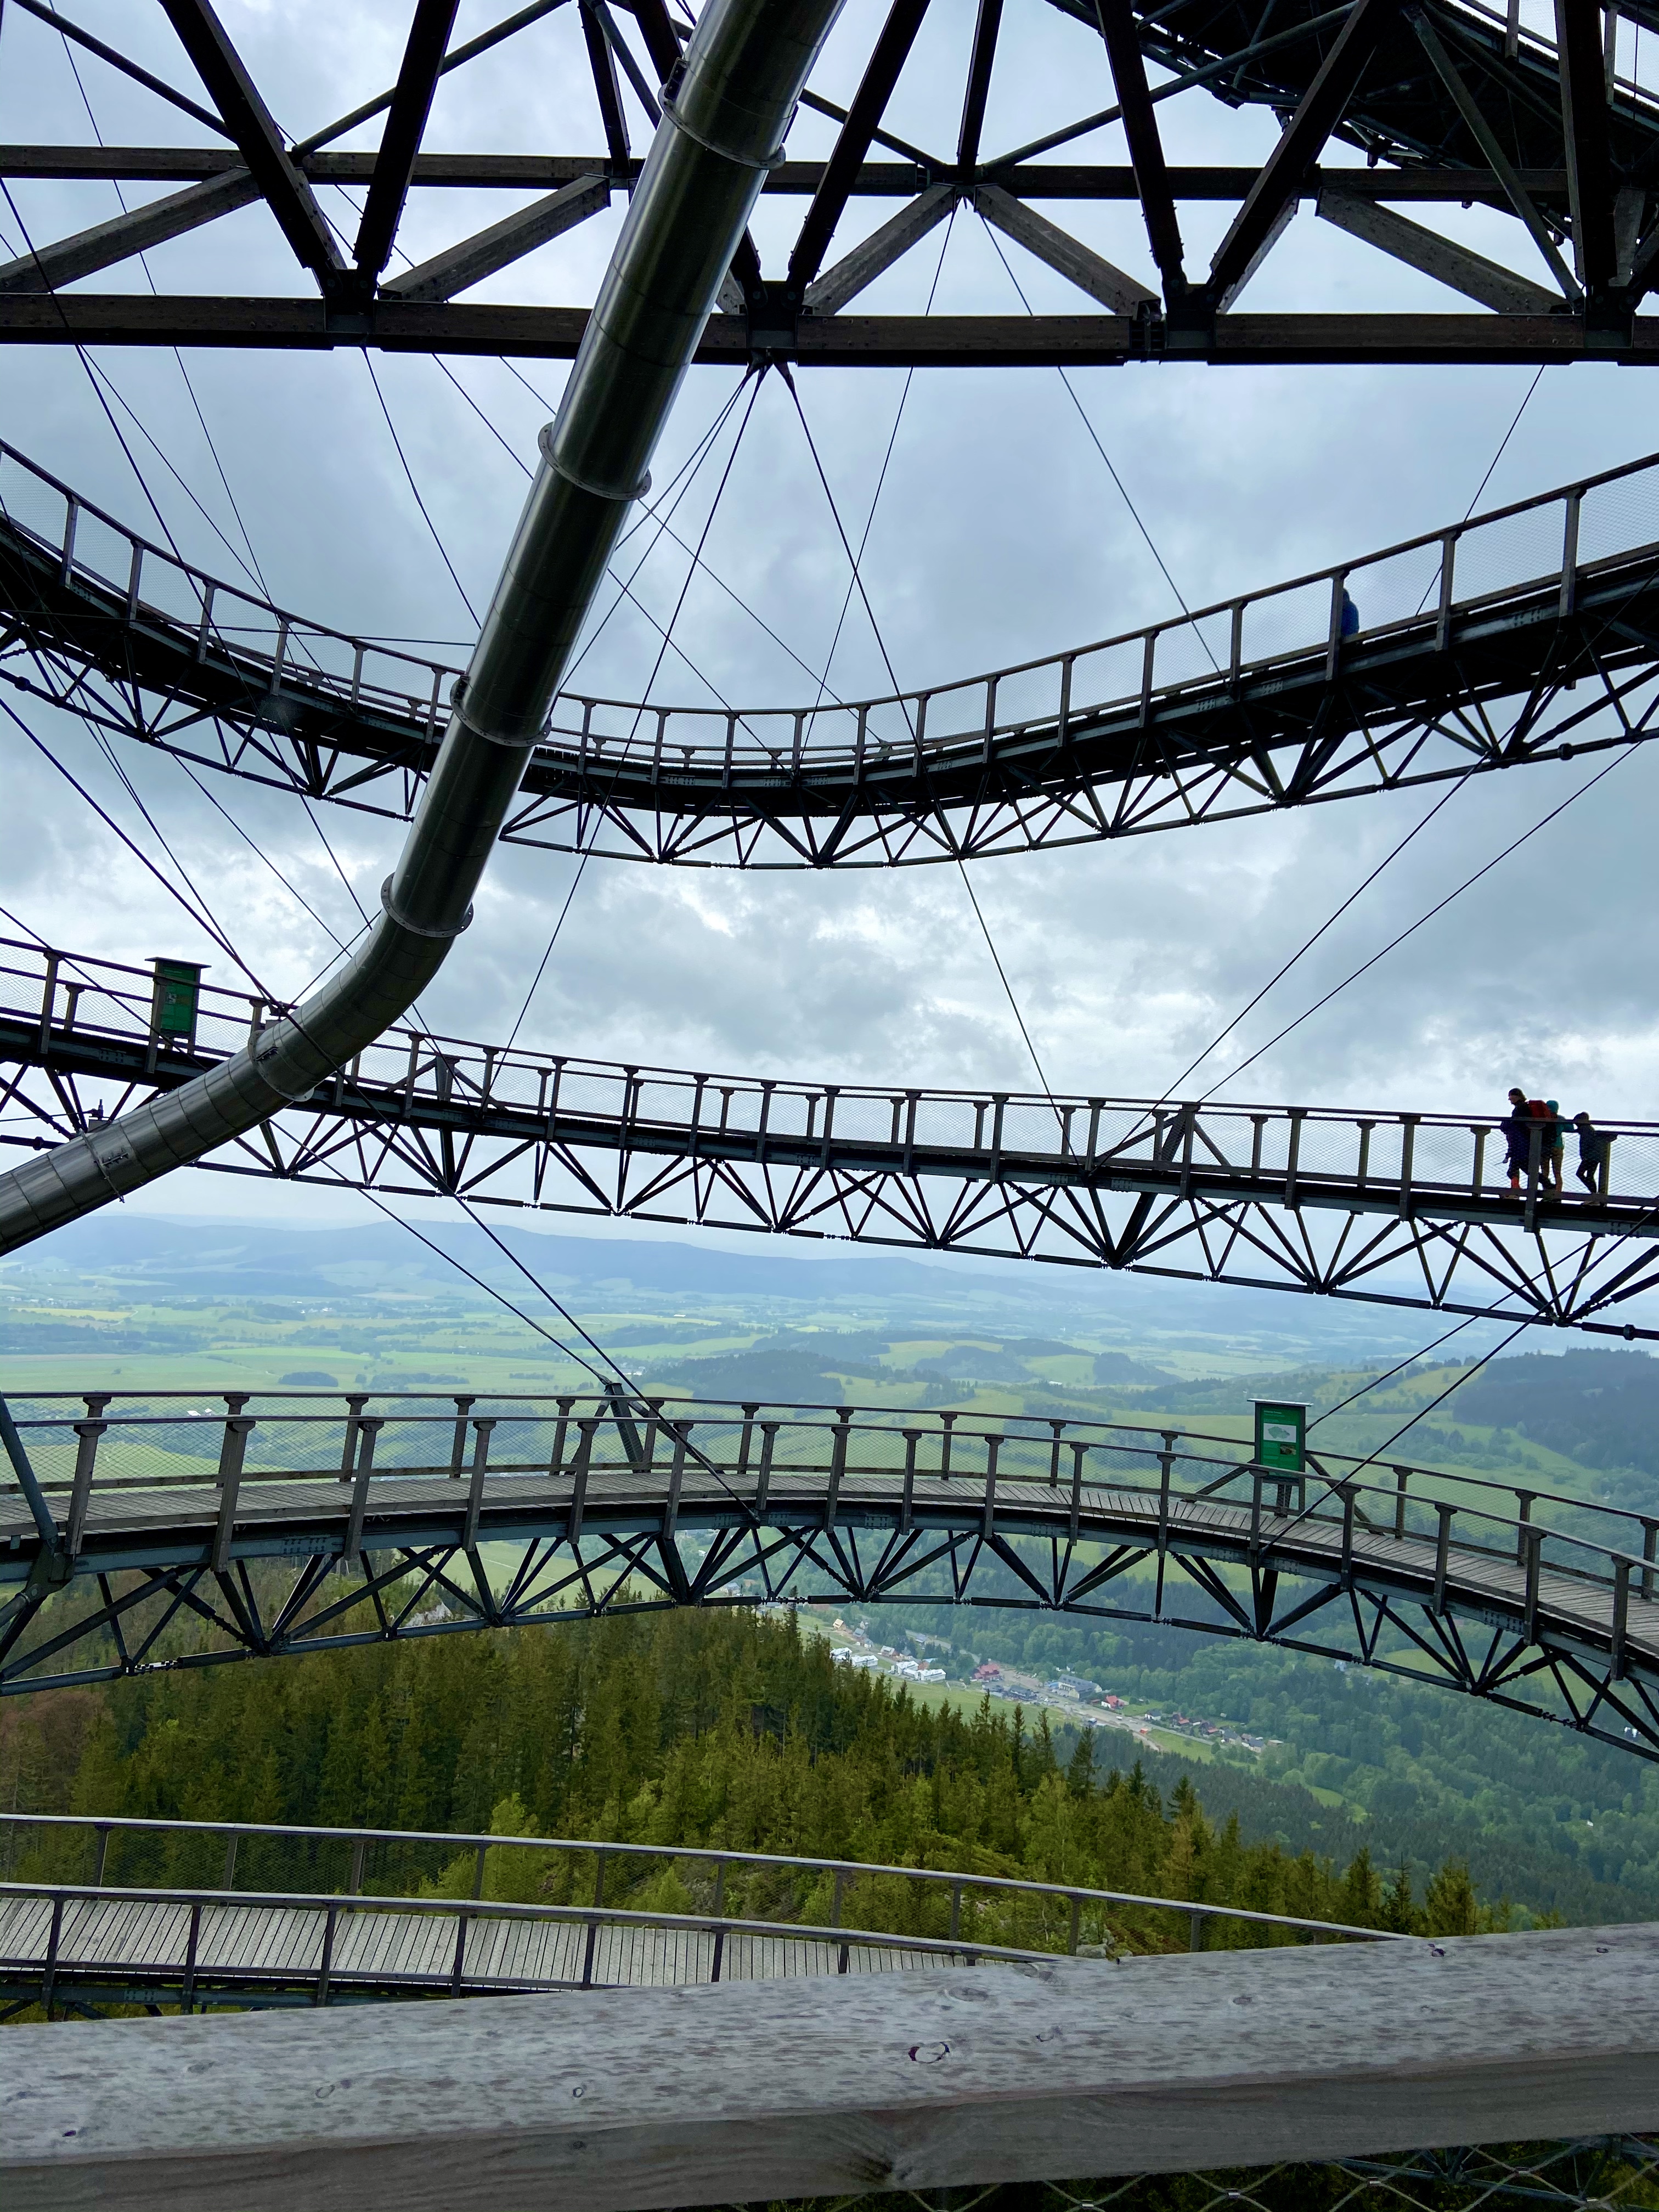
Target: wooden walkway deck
157, 1947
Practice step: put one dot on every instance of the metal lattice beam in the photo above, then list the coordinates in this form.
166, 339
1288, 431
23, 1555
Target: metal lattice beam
1545, 1606
1402, 1210
1176, 726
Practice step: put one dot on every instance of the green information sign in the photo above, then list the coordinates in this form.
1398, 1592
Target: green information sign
177, 989
1281, 1435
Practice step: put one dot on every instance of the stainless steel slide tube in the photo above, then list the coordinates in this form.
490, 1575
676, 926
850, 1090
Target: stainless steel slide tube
724, 122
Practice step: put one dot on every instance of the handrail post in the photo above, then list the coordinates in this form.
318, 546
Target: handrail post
838, 1464
463, 1405
1621, 1616
1532, 1562
1649, 1542
1401, 1477
1443, 614
1442, 1554
993, 1446
483, 1426
1524, 1501
368, 1428
911, 1436
86, 1455
1570, 556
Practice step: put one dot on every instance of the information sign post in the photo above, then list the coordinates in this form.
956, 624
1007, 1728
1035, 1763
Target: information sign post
174, 997
1281, 1443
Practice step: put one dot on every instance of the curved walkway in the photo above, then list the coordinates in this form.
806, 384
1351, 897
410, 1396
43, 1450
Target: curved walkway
1490, 643
1395, 1207
83, 1944
1544, 1603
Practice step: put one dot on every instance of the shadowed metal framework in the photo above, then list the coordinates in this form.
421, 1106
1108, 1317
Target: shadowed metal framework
1450, 102
366, 1516
1525, 634
1390, 1208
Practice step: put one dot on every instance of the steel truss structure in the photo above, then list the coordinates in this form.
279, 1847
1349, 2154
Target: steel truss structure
327, 1523
1522, 635
1450, 102
1390, 1208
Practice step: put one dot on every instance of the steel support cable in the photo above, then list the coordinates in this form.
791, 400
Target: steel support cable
742, 73
86, 363
599, 812
881, 479
651, 509
99, 377
1221, 1035
1094, 440
489, 1289
858, 579
252, 565
414, 489
202, 920
625, 590
1543, 823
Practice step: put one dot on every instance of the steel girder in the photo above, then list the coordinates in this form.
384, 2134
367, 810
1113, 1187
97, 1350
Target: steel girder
1566, 147
606, 1504
1255, 705
1402, 1209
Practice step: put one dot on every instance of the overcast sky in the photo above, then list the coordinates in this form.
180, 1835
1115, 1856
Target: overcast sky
999, 534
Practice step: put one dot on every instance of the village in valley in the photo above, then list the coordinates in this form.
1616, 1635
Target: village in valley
1068, 1697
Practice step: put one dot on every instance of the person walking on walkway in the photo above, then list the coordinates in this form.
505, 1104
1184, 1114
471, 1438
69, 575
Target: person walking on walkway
1592, 1150
1518, 1127
1554, 1151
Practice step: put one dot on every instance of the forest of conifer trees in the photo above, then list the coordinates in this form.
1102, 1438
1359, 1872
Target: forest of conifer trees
687, 1729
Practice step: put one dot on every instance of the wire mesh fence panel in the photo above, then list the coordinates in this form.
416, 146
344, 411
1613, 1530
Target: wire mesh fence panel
1512, 549
1397, 588
1291, 621
1619, 517
1029, 695
1108, 675
1190, 651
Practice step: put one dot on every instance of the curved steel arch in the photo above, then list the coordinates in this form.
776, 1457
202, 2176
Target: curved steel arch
1541, 1604
1522, 635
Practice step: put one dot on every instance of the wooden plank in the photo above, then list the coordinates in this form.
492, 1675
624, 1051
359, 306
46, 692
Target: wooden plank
740, 2092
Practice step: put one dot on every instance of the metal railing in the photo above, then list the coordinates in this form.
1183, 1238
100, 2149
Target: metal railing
1296, 1155
1071, 1902
1549, 544
1526, 1552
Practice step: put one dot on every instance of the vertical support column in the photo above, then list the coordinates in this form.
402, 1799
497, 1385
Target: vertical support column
1078, 1453
355, 1400
1621, 1616
763, 1479
368, 1427
232, 1453
586, 1426
1533, 1559
86, 1456
993, 1447
482, 1427
561, 1430
838, 1464
907, 1504
1442, 1555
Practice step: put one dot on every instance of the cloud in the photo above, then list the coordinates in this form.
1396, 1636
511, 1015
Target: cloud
1000, 533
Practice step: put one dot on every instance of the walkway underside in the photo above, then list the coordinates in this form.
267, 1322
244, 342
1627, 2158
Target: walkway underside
1395, 1208
1522, 637
428, 1516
